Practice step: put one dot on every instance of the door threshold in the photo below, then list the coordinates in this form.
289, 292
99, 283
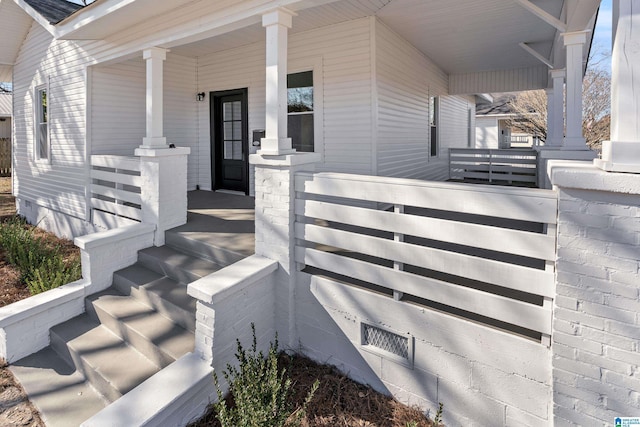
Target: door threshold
238, 193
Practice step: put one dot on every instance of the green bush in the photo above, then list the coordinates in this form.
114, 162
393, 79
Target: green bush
42, 267
21, 248
261, 392
52, 273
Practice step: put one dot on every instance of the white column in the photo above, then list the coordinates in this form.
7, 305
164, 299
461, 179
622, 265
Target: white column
622, 153
277, 24
574, 43
154, 58
555, 110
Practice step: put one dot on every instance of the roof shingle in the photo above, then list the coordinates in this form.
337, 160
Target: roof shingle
54, 11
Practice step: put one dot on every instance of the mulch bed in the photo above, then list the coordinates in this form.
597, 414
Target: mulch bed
15, 408
339, 401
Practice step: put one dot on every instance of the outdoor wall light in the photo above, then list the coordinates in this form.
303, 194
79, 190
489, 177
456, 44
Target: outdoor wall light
200, 96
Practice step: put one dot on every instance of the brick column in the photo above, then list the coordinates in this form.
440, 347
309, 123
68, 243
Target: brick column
596, 326
164, 188
275, 237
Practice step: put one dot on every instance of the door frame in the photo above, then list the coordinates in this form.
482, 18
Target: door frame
217, 152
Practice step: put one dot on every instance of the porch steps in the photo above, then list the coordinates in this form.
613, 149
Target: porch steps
129, 332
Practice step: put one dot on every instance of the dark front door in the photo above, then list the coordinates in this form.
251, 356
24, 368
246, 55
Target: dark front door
230, 140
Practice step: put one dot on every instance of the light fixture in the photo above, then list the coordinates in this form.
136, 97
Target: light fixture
200, 96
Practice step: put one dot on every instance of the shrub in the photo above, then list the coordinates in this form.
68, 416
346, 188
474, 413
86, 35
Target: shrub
52, 273
260, 391
42, 266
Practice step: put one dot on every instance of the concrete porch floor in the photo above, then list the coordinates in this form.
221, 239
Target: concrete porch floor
221, 220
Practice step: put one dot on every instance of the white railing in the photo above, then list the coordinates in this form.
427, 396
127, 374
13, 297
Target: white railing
480, 252
511, 166
115, 190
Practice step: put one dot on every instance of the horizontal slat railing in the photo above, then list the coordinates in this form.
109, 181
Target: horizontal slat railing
488, 251
514, 166
116, 190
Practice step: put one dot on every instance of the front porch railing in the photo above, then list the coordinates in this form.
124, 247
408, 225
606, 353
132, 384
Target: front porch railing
116, 183
510, 166
481, 253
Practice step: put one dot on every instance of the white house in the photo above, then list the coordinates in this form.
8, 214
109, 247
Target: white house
123, 106
493, 125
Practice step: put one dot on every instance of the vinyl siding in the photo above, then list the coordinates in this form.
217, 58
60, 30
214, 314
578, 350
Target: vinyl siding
181, 110
118, 108
454, 123
404, 81
60, 184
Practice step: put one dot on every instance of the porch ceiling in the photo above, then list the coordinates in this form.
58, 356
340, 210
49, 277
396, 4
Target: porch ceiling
460, 35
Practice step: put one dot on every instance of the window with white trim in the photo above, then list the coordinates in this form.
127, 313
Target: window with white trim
300, 110
433, 125
42, 146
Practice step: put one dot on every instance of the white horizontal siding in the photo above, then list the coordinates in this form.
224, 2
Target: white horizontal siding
59, 185
518, 79
181, 110
118, 108
404, 79
453, 124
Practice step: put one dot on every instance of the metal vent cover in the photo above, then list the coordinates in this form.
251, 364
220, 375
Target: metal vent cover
388, 344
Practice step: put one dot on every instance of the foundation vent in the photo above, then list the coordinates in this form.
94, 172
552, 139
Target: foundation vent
390, 345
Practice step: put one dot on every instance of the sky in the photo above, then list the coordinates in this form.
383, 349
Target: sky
602, 35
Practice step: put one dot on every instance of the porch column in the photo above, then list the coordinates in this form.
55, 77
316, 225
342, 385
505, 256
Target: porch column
154, 58
622, 153
277, 24
574, 43
555, 110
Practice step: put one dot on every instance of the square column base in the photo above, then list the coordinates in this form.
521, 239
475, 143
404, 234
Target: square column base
618, 156
154, 142
575, 144
275, 147
557, 153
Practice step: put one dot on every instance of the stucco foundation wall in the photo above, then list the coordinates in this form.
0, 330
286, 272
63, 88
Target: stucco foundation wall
596, 350
483, 376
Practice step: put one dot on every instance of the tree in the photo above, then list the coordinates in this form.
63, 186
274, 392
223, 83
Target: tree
531, 108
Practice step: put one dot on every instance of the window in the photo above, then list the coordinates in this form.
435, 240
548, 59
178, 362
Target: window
433, 125
42, 124
300, 110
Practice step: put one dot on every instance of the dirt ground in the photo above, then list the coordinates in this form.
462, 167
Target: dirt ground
15, 408
339, 401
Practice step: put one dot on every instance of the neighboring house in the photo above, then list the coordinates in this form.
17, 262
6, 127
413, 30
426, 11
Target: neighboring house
430, 291
494, 126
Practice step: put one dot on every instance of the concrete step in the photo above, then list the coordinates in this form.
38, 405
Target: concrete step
105, 360
60, 392
176, 265
159, 339
200, 245
165, 295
